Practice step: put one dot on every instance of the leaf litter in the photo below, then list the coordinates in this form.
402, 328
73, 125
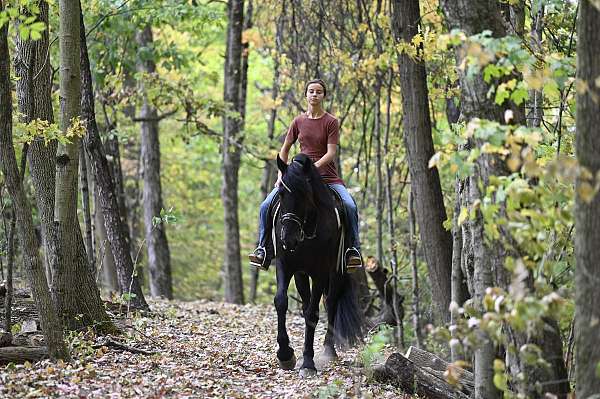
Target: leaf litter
202, 350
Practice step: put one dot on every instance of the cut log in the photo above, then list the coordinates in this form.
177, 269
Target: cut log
20, 354
432, 364
400, 371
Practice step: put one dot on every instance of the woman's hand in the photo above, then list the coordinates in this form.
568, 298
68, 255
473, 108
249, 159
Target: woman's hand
278, 182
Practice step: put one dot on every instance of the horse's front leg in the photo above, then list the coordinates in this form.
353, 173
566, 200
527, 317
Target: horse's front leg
285, 354
311, 318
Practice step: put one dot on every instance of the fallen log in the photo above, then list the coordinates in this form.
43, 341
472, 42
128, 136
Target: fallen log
432, 364
21, 354
400, 371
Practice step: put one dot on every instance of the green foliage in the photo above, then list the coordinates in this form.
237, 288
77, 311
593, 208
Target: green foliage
372, 352
331, 390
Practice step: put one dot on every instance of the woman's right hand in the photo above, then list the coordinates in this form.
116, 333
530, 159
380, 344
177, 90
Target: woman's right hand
278, 182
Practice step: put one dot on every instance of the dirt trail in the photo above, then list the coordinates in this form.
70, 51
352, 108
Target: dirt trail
204, 350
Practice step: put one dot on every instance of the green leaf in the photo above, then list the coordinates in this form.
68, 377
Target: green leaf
500, 382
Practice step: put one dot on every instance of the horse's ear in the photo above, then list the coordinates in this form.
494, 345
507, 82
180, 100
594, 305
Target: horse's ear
282, 166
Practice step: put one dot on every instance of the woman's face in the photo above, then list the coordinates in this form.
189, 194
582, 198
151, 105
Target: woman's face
315, 94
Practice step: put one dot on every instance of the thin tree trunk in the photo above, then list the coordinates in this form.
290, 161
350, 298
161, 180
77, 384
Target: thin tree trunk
9, 231
159, 256
87, 218
378, 163
50, 322
587, 211
232, 269
425, 181
412, 245
115, 229
536, 97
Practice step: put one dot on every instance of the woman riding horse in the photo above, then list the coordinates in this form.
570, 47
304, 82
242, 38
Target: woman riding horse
309, 240
318, 133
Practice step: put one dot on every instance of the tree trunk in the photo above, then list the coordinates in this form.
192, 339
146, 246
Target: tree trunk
473, 17
115, 229
489, 255
87, 216
412, 246
536, 97
587, 212
159, 257
106, 260
35, 102
34, 269
232, 268
425, 182
78, 297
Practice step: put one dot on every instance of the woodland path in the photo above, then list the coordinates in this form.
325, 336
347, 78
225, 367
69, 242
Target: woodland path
204, 350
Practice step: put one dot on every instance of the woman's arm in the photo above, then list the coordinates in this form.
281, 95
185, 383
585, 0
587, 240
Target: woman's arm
328, 157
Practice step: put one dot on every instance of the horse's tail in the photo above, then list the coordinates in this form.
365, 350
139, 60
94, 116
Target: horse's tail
349, 320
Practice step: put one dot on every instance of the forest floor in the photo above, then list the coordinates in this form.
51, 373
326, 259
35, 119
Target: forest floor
202, 350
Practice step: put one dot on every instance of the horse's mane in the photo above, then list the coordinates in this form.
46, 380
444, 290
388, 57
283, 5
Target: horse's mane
301, 168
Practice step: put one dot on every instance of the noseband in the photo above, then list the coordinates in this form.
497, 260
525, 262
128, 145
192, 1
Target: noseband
290, 216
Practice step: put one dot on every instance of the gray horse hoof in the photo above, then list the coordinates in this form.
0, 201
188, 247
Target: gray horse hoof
288, 364
307, 373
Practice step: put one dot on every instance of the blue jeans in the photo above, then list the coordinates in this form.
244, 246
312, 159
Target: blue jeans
349, 205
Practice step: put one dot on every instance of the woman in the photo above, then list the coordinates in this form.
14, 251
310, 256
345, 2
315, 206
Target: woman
318, 132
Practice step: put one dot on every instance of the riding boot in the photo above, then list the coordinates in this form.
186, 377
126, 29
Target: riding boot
263, 254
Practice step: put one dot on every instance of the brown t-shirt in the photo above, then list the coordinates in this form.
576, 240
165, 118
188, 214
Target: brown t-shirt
314, 135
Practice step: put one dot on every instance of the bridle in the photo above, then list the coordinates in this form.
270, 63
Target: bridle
291, 216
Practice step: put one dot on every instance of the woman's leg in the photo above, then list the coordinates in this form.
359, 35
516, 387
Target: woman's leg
261, 257
351, 213
264, 216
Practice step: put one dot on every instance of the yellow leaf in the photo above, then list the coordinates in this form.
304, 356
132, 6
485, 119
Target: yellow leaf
513, 163
586, 192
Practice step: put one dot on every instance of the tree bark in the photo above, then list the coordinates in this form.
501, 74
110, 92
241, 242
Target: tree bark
159, 256
115, 229
35, 102
87, 216
488, 259
232, 269
587, 213
425, 181
78, 297
51, 323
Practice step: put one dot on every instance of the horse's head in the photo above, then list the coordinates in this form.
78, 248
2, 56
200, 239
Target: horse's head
296, 199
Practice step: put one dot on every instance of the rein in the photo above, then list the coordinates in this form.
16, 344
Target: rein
290, 216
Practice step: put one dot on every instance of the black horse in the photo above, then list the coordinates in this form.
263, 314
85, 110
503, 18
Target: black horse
307, 234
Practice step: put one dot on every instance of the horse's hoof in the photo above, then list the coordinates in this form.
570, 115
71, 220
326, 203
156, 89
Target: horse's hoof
307, 373
288, 364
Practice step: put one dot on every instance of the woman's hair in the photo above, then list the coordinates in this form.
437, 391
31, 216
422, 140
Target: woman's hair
319, 81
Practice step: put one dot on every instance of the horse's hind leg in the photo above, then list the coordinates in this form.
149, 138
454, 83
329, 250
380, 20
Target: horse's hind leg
311, 318
285, 354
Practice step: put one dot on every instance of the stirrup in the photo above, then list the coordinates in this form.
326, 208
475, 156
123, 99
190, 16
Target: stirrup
257, 261
353, 260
